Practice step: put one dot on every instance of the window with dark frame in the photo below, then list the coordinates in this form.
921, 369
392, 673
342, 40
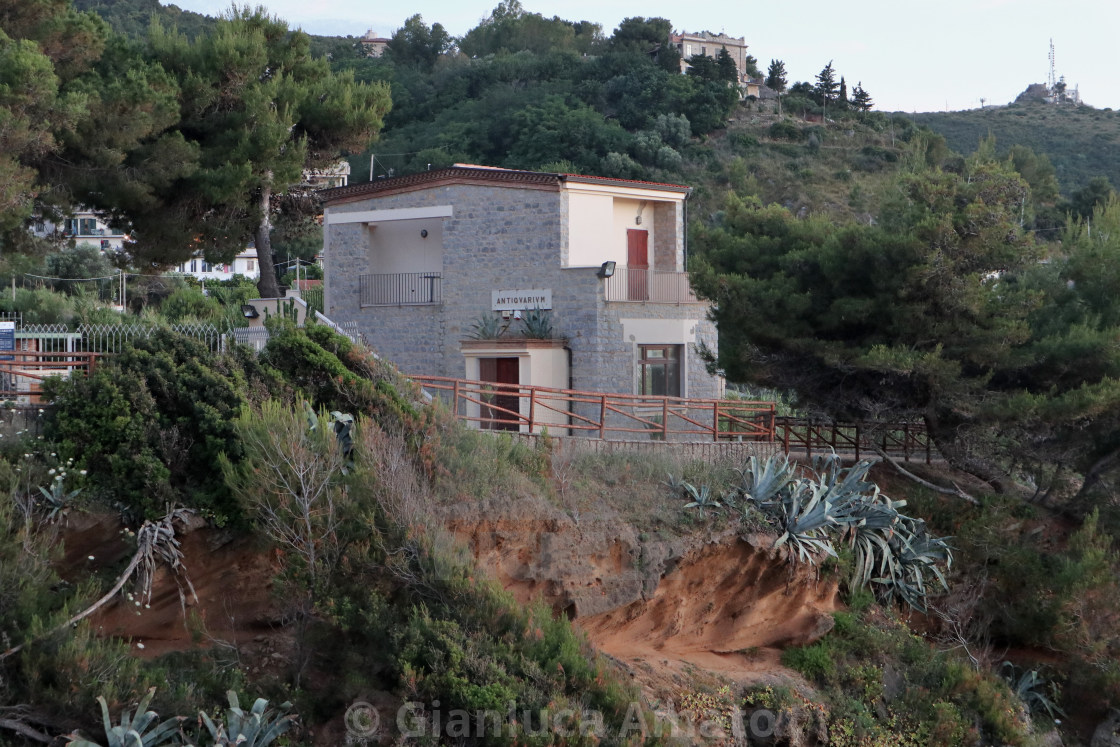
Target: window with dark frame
660, 370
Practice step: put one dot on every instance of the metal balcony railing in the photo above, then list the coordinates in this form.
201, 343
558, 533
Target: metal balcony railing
649, 286
401, 289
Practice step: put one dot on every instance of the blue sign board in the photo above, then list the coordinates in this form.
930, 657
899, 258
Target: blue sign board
7, 341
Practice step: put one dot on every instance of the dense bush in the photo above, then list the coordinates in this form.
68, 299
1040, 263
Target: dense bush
149, 424
884, 685
784, 130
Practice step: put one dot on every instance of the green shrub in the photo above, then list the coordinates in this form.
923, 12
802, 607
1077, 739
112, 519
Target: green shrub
189, 303
815, 661
784, 130
148, 422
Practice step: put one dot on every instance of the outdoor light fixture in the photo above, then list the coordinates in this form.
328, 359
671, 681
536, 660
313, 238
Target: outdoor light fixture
423, 233
606, 270
249, 311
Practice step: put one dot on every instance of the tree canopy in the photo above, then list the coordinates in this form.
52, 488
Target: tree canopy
943, 310
776, 76
182, 141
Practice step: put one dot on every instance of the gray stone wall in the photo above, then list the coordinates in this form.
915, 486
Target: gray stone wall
666, 217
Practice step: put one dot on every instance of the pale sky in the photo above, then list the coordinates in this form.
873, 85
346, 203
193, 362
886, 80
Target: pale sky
910, 55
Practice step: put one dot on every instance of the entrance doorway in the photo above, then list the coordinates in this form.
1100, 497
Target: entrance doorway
500, 411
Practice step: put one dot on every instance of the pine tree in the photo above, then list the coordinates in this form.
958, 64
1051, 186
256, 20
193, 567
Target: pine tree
776, 76
258, 110
842, 96
861, 100
727, 68
826, 88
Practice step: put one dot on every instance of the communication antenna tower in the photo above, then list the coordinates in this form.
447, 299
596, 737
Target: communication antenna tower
1052, 80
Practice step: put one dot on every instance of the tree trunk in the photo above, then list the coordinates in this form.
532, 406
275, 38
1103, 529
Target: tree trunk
1093, 477
944, 435
267, 284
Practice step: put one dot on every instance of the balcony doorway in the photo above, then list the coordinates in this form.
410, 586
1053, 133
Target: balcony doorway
637, 264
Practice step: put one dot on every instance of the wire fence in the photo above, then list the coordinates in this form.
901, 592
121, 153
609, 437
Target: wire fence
106, 338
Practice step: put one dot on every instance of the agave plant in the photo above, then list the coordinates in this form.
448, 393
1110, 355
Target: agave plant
1031, 688
487, 327
139, 731
537, 324
58, 499
702, 498
915, 555
805, 515
761, 480
257, 727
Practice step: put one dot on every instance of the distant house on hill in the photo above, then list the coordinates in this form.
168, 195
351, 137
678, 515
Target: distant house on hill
245, 263
418, 261
709, 44
329, 177
373, 45
84, 226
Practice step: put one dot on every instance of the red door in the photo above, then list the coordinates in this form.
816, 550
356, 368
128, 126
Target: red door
500, 414
637, 264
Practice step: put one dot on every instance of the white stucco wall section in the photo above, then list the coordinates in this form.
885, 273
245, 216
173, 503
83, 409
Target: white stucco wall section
398, 247
590, 231
599, 216
659, 331
333, 216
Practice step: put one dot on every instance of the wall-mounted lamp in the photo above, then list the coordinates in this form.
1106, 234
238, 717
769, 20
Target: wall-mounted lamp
423, 233
249, 311
606, 270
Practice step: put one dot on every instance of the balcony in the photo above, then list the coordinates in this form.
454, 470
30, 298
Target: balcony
649, 286
401, 289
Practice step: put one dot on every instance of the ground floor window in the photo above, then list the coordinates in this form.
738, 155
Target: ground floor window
660, 370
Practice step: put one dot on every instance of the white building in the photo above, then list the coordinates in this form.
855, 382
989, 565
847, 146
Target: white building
244, 263
83, 227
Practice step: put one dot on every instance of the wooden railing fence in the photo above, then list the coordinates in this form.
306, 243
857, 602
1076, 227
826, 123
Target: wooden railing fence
495, 406
598, 415
908, 440
22, 376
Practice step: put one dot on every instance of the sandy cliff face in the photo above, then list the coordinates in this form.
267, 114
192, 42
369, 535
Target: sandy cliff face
712, 600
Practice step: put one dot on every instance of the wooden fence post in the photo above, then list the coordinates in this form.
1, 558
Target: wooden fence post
665, 419
532, 405
857, 442
602, 416
455, 399
715, 421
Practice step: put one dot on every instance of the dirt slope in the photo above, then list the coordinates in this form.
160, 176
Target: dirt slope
710, 600
662, 607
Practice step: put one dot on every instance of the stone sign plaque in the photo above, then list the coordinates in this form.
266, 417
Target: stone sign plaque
521, 300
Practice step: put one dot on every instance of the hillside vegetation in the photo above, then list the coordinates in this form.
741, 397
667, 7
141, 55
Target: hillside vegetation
1080, 141
859, 266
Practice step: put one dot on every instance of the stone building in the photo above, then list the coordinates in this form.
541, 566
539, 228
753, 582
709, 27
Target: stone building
419, 262
374, 45
708, 44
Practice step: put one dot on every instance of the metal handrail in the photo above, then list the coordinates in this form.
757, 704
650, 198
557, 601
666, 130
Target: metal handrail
649, 286
401, 289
